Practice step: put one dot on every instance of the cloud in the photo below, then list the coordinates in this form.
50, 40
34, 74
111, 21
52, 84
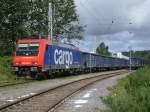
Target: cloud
118, 23
140, 13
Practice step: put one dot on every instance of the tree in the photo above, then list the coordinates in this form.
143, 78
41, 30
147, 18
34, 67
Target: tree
74, 32
22, 18
64, 18
13, 18
102, 49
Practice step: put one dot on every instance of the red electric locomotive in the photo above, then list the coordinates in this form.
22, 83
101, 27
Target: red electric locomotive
29, 56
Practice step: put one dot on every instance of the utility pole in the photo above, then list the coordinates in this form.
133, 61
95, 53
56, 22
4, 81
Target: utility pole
50, 22
90, 63
130, 58
130, 61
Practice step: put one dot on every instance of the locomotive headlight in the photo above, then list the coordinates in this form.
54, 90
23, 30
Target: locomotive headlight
17, 63
34, 63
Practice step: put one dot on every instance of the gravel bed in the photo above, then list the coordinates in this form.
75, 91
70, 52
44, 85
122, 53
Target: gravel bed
13, 93
89, 99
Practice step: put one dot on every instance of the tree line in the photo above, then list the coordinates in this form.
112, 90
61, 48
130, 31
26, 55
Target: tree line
103, 49
141, 54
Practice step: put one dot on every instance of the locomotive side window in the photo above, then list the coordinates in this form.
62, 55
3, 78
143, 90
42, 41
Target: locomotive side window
27, 49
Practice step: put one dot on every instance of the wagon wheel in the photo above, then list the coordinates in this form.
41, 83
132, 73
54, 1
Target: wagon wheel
50, 74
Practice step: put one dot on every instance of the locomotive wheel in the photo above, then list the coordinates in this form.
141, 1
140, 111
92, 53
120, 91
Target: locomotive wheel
40, 76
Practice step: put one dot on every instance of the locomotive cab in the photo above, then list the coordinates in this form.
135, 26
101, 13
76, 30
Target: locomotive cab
28, 56
27, 49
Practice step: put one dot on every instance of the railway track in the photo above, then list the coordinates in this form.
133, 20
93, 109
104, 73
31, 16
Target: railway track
47, 100
8, 84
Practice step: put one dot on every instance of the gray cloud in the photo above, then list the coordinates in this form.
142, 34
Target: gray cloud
118, 23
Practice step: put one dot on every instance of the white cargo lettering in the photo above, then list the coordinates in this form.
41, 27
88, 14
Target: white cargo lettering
55, 58
71, 58
63, 57
60, 57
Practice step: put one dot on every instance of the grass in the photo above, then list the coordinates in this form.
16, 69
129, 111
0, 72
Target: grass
5, 70
132, 94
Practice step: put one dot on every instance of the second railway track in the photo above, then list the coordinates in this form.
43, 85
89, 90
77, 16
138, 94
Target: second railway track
47, 100
8, 84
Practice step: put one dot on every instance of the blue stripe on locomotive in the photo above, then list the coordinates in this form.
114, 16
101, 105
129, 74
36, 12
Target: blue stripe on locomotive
57, 57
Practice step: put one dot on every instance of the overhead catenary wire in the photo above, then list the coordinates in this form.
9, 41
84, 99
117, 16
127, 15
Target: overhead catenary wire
101, 20
90, 12
98, 20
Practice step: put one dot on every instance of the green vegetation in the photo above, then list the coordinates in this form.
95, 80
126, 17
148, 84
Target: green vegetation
5, 70
142, 54
132, 94
102, 49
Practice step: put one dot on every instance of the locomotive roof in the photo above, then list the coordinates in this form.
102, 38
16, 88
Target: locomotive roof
32, 40
67, 45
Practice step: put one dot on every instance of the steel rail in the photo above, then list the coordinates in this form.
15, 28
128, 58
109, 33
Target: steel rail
40, 98
14, 84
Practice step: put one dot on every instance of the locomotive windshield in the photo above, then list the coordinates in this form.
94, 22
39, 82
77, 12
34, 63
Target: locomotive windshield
27, 49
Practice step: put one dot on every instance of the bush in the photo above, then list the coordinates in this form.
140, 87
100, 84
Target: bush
5, 68
132, 93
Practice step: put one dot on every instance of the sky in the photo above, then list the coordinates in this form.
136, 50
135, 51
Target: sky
121, 24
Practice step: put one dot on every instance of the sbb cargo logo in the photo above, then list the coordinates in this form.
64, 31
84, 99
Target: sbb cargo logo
62, 57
